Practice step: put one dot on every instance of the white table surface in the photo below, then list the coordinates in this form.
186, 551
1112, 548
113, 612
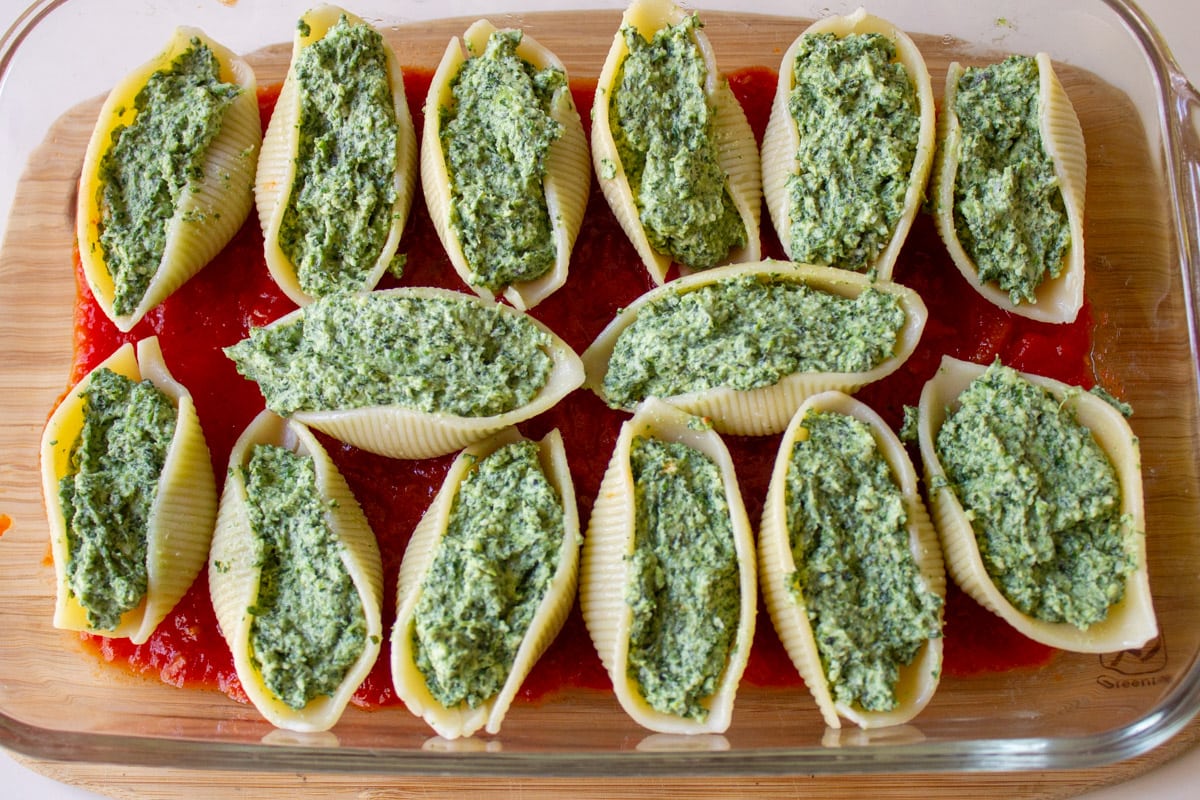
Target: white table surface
1179, 22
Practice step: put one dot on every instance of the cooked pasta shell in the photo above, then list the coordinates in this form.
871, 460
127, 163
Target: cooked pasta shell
234, 571
1058, 299
568, 171
278, 166
556, 602
605, 570
211, 206
399, 432
919, 679
737, 153
181, 517
781, 140
767, 409
1131, 622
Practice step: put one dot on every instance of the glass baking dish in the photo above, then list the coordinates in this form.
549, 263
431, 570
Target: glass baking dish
58, 702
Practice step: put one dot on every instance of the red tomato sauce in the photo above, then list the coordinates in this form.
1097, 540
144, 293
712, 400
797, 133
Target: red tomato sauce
235, 292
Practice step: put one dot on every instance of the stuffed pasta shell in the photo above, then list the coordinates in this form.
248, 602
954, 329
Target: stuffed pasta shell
167, 176
486, 582
851, 567
504, 164
295, 577
338, 167
667, 581
408, 373
1010, 184
130, 494
1036, 492
671, 145
744, 345
849, 143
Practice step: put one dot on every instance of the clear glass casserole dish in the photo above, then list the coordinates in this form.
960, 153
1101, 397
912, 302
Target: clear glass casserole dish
58, 702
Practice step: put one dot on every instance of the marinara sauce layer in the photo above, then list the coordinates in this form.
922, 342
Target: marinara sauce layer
218, 307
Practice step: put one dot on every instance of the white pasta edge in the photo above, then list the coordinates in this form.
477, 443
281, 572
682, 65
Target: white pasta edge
768, 409
1130, 623
604, 574
918, 680
410, 684
234, 577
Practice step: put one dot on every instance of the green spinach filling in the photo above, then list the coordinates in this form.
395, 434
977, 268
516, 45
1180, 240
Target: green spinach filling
1008, 208
496, 136
665, 133
109, 491
1043, 498
684, 588
869, 608
746, 332
431, 354
151, 163
341, 206
490, 573
309, 626
857, 117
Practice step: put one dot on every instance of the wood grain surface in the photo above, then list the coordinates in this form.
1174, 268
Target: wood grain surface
1142, 353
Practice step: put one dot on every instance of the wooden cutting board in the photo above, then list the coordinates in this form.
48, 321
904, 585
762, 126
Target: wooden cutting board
39, 248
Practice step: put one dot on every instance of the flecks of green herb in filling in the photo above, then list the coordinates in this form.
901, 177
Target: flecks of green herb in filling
152, 162
309, 626
496, 136
665, 133
745, 333
490, 573
857, 117
869, 609
1043, 497
109, 490
1008, 207
684, 589
444, 355
341, 206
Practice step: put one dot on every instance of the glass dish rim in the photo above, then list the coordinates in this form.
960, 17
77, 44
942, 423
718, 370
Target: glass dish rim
1177, 101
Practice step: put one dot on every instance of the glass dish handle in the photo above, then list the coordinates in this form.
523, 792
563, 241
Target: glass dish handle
1183, 123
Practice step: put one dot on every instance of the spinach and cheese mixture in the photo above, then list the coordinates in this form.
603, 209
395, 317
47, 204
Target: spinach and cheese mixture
431, 354
1043, 497
745, 333
1009, 212
496, 137
309, 625
492, 567
684, 587
152, 162
109, 490
869, 608
857, 118
664, 131
341, 205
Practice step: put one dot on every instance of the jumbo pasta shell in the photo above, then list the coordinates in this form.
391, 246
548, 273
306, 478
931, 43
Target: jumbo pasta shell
781, 139
919, 679
211, 207
737, 152
399, 432
1058, 299
181, 518
277, 169
606, 567
568, 171
234, 575
767, 409
1131, 622
556, 602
